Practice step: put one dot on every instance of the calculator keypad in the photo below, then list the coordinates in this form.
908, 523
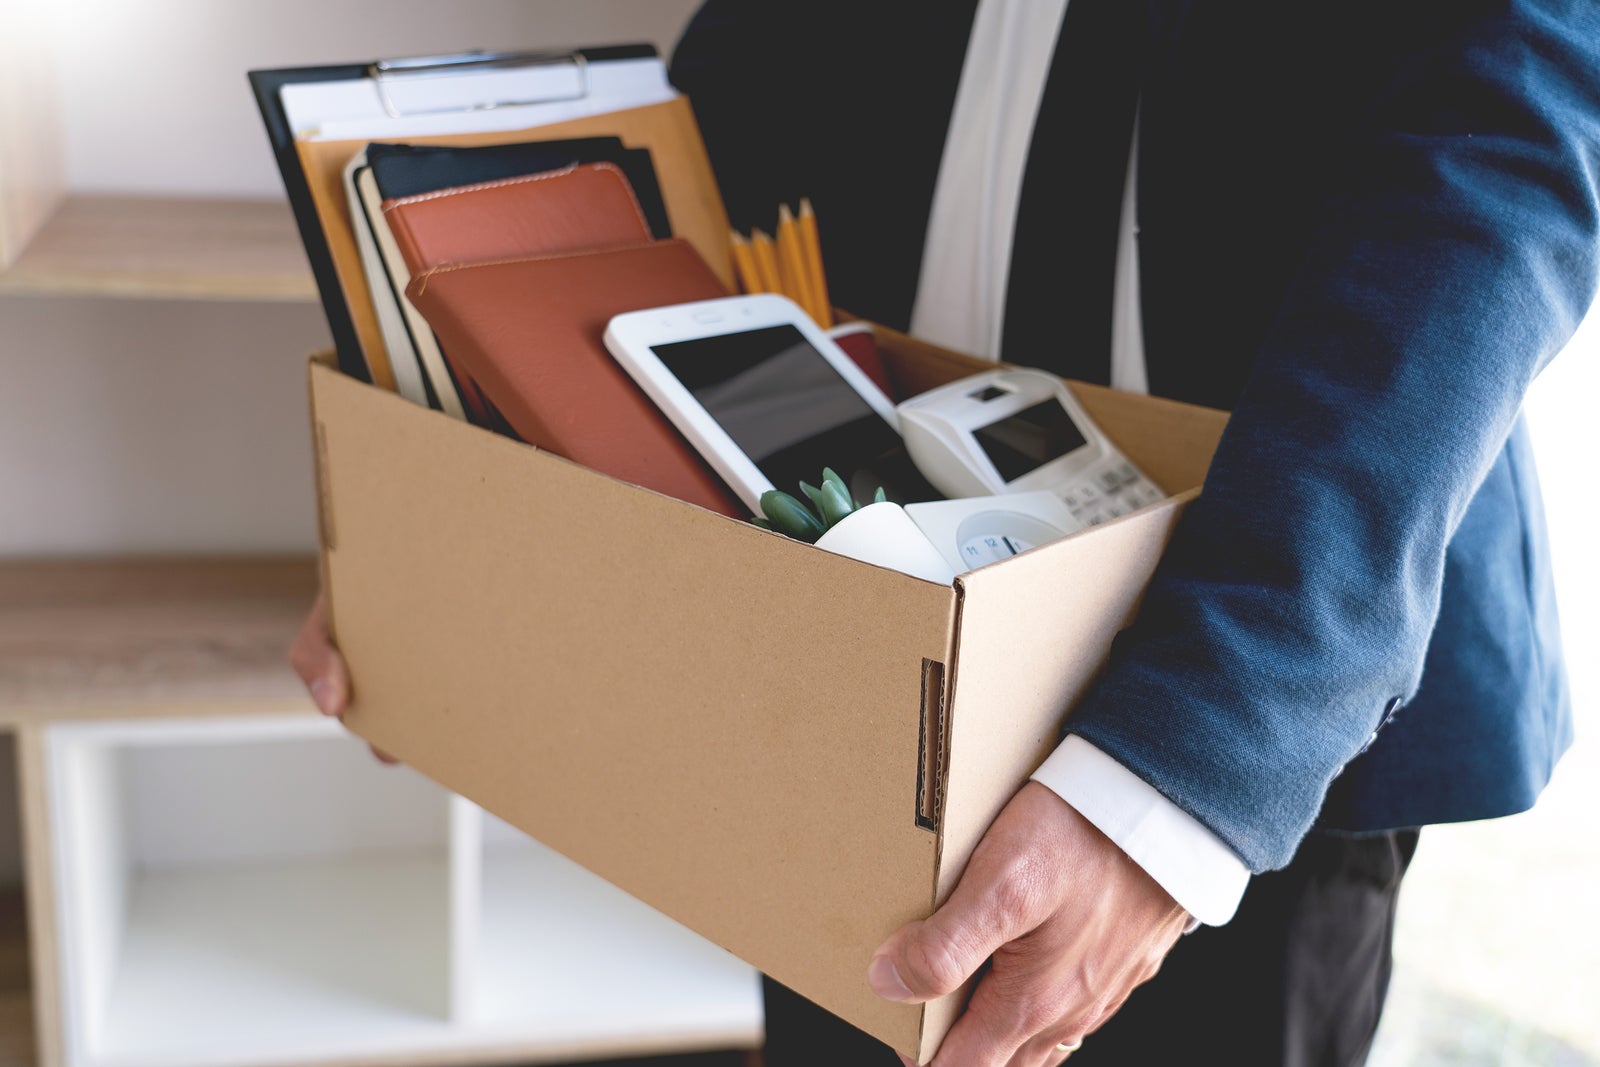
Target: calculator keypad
1112, 491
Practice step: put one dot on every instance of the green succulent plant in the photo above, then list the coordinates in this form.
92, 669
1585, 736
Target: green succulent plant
831, 500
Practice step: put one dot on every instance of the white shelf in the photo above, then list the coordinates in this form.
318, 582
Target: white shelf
257, 890
539, 967
247, 890
280, 963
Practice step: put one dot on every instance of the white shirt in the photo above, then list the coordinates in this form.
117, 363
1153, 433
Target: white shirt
961, 298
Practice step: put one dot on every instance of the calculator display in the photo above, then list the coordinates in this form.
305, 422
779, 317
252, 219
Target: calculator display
1029, 439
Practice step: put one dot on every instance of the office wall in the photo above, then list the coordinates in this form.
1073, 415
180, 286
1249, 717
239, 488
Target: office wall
154, 95
131, 426
172, 427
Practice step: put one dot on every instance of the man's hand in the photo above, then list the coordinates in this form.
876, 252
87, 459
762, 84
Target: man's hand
1072, 923
320, 666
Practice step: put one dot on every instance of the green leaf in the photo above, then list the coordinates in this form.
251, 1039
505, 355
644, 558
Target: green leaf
813, 494
880, 497
829, 476
763, 523
789, 516
834, 505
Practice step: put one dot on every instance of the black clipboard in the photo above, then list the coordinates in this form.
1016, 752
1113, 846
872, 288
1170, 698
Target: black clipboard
267, 86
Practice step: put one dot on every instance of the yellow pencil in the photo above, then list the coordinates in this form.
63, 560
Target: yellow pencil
792, 263
811, 242
766, 261
744, 260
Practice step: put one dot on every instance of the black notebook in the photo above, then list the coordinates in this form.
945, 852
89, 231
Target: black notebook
410, 170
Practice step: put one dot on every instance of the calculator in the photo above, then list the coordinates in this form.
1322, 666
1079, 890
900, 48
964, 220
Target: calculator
1017, 430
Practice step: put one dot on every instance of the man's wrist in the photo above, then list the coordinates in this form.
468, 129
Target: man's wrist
1191, 863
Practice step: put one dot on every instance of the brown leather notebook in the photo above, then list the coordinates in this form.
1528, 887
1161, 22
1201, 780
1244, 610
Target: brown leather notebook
581, 207
530, 332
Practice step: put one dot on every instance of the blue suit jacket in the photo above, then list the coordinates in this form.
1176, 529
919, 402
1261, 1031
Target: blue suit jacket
1365, 227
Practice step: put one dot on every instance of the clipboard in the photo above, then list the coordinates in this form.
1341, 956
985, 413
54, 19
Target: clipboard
422, 101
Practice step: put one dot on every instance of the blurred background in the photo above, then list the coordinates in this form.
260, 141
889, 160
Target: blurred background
1495, 961
153, 337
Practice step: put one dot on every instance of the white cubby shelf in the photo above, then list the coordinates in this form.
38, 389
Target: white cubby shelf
258, 890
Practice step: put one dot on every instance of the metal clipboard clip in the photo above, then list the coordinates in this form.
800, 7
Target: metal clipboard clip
385, 73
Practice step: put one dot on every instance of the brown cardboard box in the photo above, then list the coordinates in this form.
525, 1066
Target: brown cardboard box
790, 752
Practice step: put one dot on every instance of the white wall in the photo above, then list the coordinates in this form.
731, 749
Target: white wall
130, 426
172, 427
154, 92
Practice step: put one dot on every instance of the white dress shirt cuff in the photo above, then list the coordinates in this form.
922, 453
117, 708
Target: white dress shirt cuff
1185, 858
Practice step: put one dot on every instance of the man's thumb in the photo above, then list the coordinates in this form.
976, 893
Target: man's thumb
929, 959
996, 901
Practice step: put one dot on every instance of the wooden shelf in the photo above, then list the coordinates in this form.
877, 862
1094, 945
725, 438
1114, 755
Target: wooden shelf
164, 247
166, 637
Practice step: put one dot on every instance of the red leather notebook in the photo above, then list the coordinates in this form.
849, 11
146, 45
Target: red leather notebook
577, 208
530, 332
571, 209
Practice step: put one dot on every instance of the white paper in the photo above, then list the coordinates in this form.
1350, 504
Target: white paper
353, 110
396, 342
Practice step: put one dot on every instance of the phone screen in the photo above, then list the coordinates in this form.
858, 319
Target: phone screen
792, 413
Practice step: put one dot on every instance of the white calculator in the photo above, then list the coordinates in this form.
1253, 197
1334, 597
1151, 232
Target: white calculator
982, 530
1012, 430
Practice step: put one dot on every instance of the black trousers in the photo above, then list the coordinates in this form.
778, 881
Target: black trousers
1297, 979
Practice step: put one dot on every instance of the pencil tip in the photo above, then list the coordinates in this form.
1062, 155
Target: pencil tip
784, 214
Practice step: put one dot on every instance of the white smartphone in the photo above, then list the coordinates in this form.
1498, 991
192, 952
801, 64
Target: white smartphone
766, 397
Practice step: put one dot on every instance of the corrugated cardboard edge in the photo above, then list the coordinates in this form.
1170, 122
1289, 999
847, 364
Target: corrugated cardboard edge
1032, 640
847, 863
1033, 636
1169, 440
328, 360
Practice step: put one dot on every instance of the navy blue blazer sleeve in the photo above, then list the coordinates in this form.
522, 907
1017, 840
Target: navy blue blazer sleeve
1298, 594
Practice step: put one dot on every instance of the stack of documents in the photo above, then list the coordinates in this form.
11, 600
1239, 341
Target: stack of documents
394, 129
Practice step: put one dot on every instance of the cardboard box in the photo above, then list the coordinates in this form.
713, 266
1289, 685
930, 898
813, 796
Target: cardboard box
790, 752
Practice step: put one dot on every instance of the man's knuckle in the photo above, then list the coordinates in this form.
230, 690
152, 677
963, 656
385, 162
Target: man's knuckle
1003, 1022
1027, 1000
1038, 1012
1103, 1007
1018, 889
1077, 996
